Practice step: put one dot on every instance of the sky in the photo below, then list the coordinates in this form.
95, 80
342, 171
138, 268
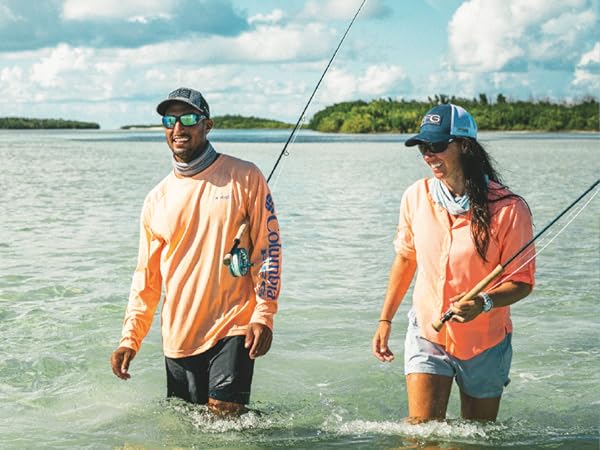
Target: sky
112, 61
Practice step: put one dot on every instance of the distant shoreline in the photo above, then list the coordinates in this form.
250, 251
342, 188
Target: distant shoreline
24, 123
385, 116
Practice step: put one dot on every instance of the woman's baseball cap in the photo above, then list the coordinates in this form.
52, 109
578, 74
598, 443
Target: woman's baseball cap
185, 95
443, 123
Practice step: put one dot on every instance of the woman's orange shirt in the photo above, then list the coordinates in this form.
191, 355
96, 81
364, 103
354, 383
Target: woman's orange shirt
448, 263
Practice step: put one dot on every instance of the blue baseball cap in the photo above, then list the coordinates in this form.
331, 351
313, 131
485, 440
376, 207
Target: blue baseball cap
442, 123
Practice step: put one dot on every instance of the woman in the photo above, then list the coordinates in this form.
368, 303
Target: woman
456, 227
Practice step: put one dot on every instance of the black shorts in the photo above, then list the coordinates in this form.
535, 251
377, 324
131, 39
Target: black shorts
223, 373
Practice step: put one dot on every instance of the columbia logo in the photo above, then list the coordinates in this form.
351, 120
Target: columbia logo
269, 206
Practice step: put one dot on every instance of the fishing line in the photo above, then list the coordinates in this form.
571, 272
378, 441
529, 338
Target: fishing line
437, 325
274, 184
238, 259
283, 152
550, 240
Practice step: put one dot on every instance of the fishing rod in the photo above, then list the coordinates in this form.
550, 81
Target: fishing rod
238, 259
437, 325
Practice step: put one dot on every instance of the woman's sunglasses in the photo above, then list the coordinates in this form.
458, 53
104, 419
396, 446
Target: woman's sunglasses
437, 147
187, 120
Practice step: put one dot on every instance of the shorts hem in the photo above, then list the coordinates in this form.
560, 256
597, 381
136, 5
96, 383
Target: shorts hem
224, 396
483, 395
428, 372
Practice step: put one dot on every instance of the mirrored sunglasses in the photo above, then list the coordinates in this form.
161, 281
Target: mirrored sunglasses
187, 120
437, 147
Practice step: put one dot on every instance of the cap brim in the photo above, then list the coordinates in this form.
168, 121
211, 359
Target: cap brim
428, 138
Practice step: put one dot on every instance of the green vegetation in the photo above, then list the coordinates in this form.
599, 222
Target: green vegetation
232, 122
235, 121
22, 123
391, 116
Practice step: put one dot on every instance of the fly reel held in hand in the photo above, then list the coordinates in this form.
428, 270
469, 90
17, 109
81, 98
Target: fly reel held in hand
238, 259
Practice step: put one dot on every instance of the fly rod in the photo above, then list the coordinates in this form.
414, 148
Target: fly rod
437, 325
237, 259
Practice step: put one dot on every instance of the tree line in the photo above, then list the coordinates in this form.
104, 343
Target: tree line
232, 121
22, 123
393, 116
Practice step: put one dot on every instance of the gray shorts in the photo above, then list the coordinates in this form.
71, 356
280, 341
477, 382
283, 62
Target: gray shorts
483, 376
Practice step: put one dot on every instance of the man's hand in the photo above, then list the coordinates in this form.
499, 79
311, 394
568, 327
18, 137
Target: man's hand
120, 360
258, 339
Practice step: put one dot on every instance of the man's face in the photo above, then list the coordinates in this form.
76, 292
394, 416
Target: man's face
186, 143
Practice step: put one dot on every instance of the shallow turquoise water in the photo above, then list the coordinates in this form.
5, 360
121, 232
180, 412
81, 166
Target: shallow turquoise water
68, 243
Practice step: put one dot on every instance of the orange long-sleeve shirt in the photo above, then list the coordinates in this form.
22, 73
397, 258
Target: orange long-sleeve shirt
187, 225
448, 264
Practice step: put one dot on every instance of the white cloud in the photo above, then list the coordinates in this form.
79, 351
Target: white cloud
273, 17
591, 59
264, 44
343, 9
381, 80
495, 35
113, 9
376, 81
7, 16
53, 71
586, 80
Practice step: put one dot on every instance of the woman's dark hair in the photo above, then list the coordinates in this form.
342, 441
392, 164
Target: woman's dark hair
477, 164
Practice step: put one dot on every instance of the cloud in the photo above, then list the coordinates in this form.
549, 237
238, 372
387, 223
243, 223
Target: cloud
344, 10
113, 9
113, 23
586, 80
376, 81
273, 17
513, 35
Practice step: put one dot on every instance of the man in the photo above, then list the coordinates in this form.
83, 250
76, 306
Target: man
214, 325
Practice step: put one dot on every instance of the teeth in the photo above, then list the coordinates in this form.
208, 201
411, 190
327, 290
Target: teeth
436, 166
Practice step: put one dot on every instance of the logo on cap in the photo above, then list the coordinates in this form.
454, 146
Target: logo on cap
432, 119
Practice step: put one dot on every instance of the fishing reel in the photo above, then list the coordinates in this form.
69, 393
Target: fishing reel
238, 259
239, 264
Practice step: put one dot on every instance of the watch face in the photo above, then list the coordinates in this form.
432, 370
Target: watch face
487, 303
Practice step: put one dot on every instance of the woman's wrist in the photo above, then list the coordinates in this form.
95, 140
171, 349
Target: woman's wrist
385, 320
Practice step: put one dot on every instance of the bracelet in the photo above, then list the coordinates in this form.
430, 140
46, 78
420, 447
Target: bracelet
385, 320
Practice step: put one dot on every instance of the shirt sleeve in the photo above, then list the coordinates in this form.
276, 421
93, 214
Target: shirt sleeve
516, 230
266, 254
146, 287
404, 238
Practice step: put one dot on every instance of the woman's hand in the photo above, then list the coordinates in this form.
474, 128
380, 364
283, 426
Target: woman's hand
467, 310
380, 342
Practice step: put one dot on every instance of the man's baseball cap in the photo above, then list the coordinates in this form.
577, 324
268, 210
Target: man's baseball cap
188, 96
442, 123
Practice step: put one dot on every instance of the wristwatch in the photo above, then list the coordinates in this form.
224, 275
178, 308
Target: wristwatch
488, 303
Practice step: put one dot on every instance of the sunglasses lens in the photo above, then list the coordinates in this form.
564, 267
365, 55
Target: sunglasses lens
169, 121
188, 120
437, 147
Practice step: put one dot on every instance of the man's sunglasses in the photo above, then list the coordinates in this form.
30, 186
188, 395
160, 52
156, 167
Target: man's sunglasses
187, 120
437, 147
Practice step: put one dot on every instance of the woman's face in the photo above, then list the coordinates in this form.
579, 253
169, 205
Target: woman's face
444, 165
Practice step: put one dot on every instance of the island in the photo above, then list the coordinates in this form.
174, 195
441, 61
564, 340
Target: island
232, 122
23, 123
401, 116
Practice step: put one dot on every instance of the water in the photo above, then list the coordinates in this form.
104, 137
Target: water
68, 244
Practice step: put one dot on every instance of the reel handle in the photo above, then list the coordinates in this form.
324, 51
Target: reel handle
236, 242
438, 324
